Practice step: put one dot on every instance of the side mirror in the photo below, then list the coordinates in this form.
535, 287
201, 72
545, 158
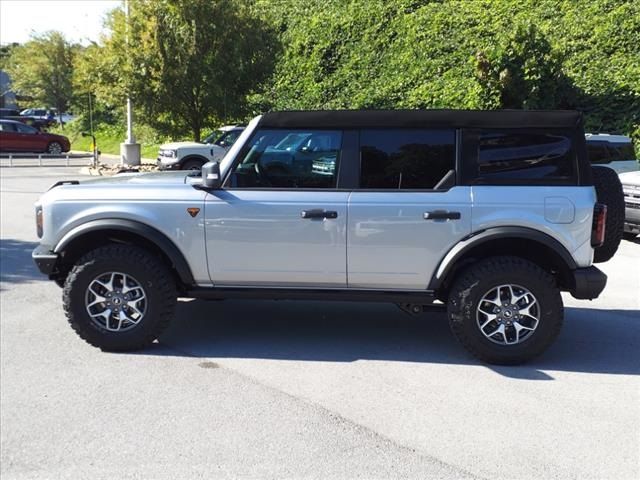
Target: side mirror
211, 175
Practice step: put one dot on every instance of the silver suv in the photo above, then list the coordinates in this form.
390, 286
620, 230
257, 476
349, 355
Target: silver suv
487, 215
192, 155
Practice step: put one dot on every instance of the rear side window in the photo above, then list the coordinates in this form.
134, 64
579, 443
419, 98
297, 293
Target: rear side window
524, 157
405, 158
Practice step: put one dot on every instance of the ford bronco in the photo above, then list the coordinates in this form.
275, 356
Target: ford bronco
488, 215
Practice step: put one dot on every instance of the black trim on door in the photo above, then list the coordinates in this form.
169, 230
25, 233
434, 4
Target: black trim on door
349, 164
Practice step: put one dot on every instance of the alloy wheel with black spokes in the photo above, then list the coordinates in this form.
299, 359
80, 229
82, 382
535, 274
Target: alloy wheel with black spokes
116, 301
508, 314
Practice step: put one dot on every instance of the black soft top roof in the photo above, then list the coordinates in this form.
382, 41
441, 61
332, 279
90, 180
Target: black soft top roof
423, 118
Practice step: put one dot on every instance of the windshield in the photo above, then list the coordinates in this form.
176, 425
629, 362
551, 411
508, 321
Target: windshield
213, 136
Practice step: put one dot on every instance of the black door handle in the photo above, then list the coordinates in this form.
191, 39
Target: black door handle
318, 213
441, 215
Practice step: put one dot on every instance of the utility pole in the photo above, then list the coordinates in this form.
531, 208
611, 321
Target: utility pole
129, 150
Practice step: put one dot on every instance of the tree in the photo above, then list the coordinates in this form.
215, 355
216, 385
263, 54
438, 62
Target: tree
186, 63
42, 69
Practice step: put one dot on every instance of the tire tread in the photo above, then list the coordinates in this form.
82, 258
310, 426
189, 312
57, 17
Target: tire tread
164, 284
474, 276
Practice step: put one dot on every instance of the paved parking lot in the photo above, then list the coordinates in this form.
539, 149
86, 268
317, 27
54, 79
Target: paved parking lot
307, 390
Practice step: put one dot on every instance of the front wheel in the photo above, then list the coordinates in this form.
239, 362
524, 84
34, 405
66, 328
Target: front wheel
54, 148
192, 165
119, 297
505, 310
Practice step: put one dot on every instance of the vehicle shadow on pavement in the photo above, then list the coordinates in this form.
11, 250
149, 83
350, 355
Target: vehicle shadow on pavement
592, 341
16, 265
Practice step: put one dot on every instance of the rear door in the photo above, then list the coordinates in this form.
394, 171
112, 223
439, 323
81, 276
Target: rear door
408, 211
277, 221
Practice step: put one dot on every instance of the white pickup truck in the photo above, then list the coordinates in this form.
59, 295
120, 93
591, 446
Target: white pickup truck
192, 155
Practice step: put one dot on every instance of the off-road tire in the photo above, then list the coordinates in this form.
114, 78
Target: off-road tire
609, 192
192, 164
156, 279
478, 279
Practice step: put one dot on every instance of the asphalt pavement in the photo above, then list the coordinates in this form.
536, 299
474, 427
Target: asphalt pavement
266, 389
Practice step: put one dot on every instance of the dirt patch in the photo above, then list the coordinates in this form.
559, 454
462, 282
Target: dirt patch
106, 170
208, 365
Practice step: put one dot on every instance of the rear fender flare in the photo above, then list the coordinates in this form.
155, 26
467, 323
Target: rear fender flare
458, 252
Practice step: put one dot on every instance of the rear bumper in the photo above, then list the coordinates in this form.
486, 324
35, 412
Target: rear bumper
588, 283
45, 259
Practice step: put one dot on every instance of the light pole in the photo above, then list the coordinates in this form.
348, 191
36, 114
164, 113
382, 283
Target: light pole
129, 150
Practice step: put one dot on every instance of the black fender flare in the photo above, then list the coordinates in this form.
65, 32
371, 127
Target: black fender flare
131, 226
465, 245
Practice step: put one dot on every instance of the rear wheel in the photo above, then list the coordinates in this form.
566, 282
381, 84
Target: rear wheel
505, 310
609, 191
119, 297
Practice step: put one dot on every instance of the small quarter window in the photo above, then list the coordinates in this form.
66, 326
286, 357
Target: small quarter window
405, 158
505, 156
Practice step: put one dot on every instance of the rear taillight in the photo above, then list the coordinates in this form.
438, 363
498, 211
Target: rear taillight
39, 229
599, 224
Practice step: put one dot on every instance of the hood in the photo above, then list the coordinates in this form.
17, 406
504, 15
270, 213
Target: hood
151, 178
55, 136
176, 145
630, 178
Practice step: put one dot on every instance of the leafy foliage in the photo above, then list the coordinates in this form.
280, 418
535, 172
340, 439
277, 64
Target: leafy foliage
42, 69
582, 54
182, 61
189, 64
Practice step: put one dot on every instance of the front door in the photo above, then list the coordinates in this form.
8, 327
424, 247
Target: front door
279, 221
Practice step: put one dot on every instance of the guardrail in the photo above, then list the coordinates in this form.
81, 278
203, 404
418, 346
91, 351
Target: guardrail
42, 158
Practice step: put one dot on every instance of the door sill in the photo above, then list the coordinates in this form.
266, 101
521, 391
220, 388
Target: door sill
426, 297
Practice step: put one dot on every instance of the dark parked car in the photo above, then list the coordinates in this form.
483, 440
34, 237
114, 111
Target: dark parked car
18, 137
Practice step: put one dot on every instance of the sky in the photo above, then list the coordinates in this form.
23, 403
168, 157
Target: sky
79, 20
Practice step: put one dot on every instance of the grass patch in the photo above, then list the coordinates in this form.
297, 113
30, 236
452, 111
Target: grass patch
109, 139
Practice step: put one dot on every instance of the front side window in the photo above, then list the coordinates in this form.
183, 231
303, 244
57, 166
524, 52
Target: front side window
25, 129
405, 158
289, 159
505, 156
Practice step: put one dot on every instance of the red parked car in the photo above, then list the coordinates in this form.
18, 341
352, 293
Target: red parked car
18, 137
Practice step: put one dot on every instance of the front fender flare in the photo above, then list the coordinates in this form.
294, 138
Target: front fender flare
149, 233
